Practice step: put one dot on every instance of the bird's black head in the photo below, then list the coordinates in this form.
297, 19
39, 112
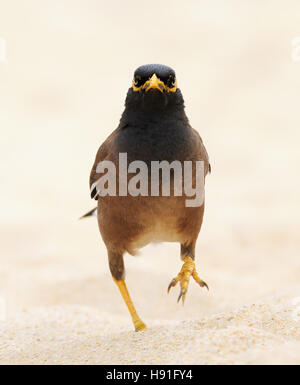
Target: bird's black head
154, 87
154, 77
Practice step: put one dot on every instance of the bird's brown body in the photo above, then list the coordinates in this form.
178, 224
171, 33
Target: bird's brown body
153, 127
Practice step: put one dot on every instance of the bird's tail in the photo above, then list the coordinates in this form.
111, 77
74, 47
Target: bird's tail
91, 213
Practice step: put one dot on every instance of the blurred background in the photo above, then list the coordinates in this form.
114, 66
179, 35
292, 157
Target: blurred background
68, 67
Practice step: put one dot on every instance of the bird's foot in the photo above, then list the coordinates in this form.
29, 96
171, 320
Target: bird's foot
139, 325
188, 269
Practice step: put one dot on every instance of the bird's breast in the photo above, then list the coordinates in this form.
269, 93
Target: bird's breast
156, 141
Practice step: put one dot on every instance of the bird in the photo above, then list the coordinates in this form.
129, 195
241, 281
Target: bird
153, 127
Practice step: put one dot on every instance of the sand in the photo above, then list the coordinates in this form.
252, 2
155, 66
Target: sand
265, 333
65, 309
62, 91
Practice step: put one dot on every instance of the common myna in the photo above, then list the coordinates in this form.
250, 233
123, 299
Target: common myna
153, 128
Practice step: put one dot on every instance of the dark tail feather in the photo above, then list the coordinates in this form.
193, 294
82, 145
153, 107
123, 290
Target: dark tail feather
91, 213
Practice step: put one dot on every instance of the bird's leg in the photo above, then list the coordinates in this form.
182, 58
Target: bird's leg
188, 269
116, 265
138, 323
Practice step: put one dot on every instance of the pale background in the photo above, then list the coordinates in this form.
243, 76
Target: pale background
62, 89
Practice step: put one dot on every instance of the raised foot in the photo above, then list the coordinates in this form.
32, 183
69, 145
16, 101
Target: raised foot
188, 269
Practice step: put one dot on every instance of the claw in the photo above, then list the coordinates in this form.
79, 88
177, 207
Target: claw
173, 283
181, 295
187, 270
204, 284
199, 280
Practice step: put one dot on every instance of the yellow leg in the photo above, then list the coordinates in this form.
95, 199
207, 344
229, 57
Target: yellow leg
188, 269
138, 323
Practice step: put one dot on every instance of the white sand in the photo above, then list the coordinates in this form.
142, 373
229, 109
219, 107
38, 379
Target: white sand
265, 333
62, 91
73, 313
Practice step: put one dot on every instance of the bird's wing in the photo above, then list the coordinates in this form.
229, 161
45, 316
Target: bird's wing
90, 213
102, 154
203, 153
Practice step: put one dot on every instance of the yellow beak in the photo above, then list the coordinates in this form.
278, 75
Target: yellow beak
155, 83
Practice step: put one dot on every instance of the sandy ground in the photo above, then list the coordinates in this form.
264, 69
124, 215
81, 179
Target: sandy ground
62, 90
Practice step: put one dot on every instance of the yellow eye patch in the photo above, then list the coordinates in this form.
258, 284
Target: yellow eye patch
153, 83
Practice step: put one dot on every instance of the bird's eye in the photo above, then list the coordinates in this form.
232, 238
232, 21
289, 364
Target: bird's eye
171, 81
138, 81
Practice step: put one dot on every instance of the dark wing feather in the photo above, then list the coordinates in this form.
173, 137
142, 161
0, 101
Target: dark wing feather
203, 153
102, 154
90, 213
